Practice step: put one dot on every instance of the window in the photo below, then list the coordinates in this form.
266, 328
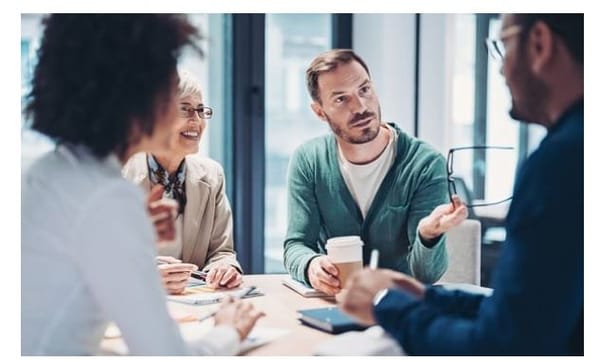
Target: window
34, 144
292, 41
210, 72
480, 104
501, 129
463, 89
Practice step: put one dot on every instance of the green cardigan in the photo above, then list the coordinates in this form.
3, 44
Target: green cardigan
320, 206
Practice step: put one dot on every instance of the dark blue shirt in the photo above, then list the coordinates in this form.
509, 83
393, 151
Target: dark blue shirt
537, 304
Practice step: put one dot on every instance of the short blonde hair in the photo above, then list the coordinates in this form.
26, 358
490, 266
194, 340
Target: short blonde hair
188, 84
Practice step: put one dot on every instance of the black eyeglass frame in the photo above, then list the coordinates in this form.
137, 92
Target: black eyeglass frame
496, 47
450, 171
203, 112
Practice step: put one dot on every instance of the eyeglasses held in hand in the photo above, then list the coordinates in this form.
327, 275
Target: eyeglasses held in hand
450, 171
186, 111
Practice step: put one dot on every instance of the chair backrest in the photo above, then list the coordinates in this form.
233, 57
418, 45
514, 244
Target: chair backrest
463, 243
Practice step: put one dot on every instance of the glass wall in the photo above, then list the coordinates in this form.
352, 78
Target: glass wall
463, 94
292, 41
501, 129
496, 167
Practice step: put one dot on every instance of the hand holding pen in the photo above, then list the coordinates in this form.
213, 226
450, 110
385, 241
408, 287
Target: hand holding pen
174, 274
236, 313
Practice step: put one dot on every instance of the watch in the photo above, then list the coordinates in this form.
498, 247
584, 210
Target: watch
379, 296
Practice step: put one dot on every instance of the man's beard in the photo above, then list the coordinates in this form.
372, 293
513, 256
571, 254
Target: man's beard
368, 134
530, 107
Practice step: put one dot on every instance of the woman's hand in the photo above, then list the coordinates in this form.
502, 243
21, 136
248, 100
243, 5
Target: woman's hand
174, 274
223, 275
163, 212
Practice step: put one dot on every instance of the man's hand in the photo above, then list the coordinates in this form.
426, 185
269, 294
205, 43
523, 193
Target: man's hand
223, 275
323, 275
174, 274
240, 315
162, 213
363, 285
442, 218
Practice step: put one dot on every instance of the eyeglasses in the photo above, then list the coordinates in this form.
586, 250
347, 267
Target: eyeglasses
186, 111
453, 181
496, 46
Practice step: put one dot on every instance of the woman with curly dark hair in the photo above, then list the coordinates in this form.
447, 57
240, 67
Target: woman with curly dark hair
104, 88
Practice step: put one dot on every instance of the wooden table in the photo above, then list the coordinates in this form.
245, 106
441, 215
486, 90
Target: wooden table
280, 305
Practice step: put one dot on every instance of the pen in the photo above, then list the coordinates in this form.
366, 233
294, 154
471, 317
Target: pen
199, 275
196, 274
204, 318
245, 294
248, 292
374, 259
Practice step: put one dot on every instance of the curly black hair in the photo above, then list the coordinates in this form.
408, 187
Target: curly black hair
98, 74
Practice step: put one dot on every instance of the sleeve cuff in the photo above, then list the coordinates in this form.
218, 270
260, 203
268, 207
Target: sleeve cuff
303, 263
419, 242
221, 341
431, 243
392, 306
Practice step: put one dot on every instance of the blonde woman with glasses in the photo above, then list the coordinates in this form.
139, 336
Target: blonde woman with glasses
202, 236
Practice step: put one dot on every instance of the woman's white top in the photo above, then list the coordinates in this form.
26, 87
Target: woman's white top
87, 258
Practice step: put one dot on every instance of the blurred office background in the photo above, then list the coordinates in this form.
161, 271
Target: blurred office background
433, 76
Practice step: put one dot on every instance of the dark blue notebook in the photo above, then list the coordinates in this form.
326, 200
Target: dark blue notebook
329, 319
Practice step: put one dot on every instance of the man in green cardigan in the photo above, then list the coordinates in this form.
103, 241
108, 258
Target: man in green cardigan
369, 179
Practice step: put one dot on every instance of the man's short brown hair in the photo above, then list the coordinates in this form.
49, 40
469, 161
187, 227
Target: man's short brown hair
326, 62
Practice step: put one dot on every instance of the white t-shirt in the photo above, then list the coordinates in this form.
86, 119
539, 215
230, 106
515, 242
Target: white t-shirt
364, 180
87, 258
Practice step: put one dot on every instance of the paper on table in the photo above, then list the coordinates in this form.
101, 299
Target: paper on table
193, 331
112, 331
204, 295
259, 336
370, 342
302, 289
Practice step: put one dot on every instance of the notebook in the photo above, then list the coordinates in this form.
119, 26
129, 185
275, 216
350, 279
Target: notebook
329, 319
204, 295
302, 289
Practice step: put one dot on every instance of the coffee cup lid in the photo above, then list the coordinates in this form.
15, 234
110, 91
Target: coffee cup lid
344, 241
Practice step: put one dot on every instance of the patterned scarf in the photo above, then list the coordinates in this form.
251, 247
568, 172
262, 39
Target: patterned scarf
174, 184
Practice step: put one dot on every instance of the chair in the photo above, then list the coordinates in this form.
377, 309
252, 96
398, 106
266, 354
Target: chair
463, 243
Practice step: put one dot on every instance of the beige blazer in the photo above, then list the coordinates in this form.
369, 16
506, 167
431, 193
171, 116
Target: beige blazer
207, 220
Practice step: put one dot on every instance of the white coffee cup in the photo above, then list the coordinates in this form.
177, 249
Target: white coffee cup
346, 253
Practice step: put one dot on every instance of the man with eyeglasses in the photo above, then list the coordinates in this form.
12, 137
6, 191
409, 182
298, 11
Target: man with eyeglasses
537, 304
368, 178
